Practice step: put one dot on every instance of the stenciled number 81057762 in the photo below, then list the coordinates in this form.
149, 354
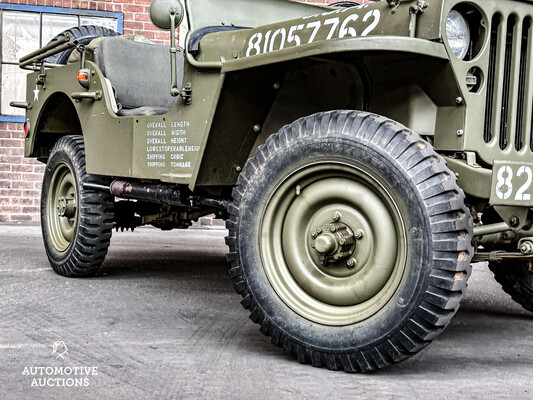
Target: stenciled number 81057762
296, 35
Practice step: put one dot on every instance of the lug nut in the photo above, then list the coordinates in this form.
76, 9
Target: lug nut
359, 234
352, 262
336, 216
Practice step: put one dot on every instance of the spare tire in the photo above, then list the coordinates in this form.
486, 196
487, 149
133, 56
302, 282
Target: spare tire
83, 34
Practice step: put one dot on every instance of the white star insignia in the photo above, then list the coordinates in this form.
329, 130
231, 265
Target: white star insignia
36, 94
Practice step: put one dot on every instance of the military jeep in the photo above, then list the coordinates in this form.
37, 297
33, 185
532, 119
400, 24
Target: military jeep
362, 156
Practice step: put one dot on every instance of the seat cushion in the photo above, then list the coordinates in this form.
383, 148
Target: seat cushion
139, 72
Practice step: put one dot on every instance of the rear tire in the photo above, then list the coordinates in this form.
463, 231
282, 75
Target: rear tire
83, 34
76, 222
516, 278
410, 262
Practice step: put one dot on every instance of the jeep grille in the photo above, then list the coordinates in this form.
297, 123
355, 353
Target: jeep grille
509, 105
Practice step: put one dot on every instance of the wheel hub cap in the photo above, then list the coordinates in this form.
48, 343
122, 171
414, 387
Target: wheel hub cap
66, 207
333, 242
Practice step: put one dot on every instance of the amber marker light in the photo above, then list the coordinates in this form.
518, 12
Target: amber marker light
83, 76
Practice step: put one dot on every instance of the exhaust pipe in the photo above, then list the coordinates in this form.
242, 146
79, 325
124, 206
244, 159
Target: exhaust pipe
147, 191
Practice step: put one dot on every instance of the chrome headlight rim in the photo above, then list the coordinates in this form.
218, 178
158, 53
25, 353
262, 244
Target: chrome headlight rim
458, 34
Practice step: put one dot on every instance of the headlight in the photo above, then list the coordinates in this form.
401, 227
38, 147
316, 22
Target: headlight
458, 34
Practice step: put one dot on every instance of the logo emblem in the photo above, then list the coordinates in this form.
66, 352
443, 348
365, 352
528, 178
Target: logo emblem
59, 348
36, 94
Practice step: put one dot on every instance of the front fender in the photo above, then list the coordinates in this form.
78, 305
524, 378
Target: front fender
398, 44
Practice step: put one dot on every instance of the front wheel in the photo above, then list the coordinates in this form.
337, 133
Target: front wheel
349, 241
76, 222
516, 278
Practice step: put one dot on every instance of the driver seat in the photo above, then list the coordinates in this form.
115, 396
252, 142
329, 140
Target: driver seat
140, 74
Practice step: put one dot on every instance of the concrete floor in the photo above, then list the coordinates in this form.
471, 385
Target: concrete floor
162, 321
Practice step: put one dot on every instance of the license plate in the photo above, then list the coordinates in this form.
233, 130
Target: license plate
512, 184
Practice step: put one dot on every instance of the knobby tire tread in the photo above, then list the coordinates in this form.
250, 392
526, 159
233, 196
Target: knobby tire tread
95, 218
452, 250
516, 280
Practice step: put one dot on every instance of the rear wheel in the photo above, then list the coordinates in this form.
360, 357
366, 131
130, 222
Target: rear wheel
76, 222
349, 241
516, 278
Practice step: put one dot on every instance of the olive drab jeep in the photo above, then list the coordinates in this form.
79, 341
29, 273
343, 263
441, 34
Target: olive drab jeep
362, 156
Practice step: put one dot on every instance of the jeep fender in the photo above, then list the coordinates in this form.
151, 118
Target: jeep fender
406, 79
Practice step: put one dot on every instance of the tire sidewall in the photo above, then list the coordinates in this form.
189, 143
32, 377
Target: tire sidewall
396, 313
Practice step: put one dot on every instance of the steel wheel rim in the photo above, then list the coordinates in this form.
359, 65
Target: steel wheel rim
62, 204
322, 294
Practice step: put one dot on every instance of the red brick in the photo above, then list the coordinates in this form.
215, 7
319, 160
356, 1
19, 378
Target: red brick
22, 218
23, 201
31, 193
5, 134
29, 210
5, 167
10, 193
10, 176
149, 35
9, 159
22, 168
22, 185
32, 177
10, 143
143, 18
5, 218
134, 25
15, 126
12, 209
16, 151
135, 8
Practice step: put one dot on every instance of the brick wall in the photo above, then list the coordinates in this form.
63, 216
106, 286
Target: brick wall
20, 178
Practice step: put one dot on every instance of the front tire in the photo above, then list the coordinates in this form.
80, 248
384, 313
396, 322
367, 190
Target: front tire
516, 278
76, 222
349, 241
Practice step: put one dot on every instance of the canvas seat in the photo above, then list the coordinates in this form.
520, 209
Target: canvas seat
140, 74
